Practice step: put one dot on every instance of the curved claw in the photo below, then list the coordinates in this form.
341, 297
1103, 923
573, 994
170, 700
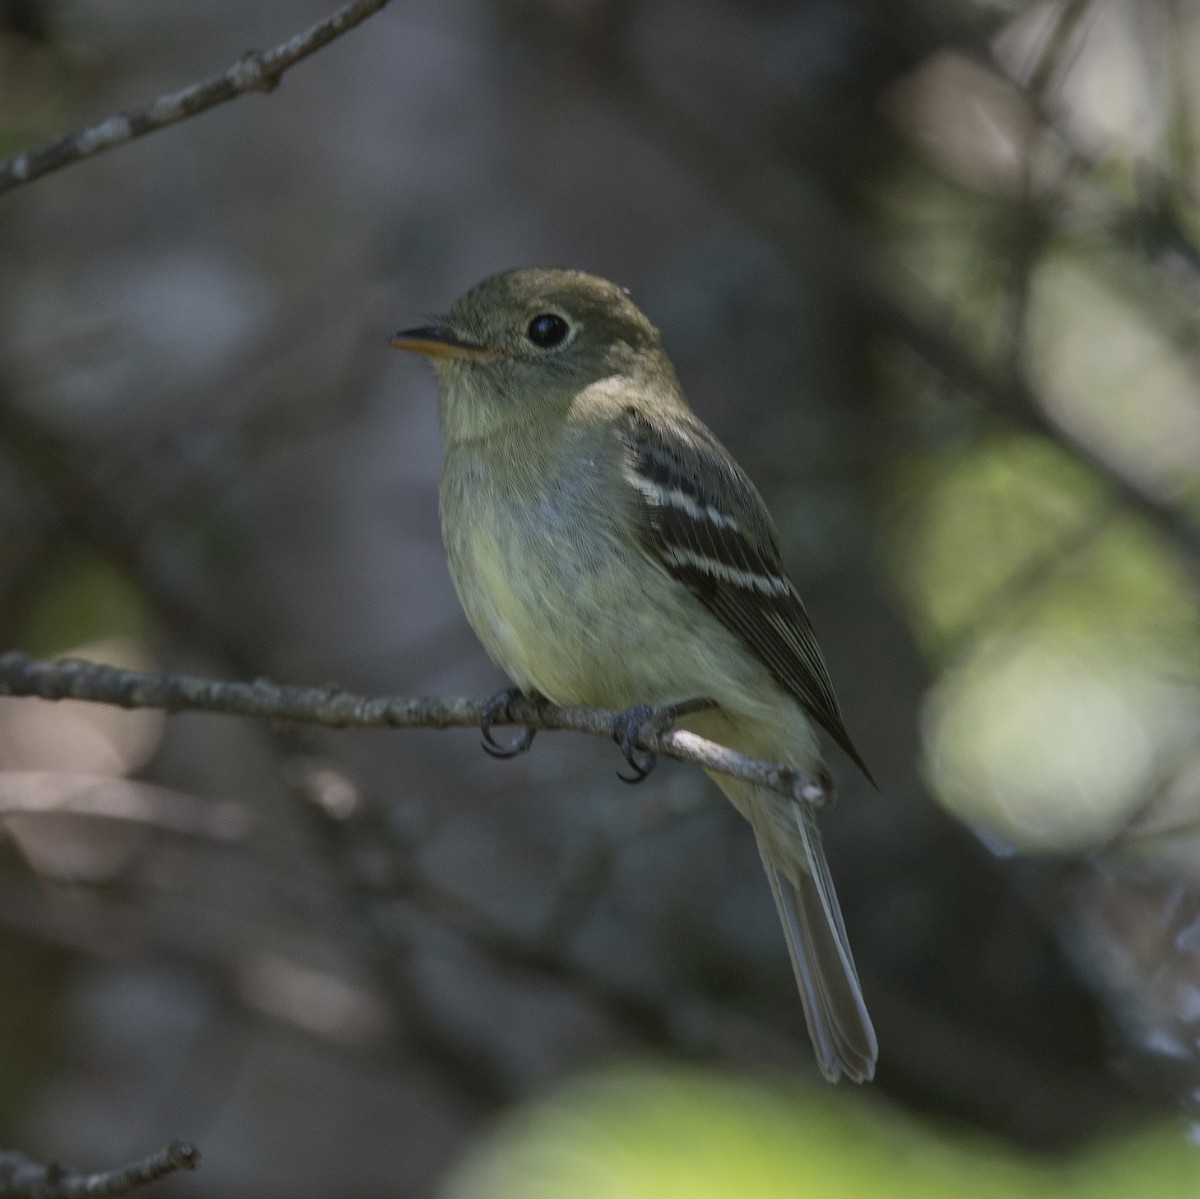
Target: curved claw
641, 770
627, 732
493, 712
495, 750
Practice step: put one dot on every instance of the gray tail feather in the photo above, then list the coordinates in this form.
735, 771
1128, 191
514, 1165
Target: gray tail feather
838, 1024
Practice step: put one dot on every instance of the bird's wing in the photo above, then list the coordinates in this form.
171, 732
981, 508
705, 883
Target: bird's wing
700, 517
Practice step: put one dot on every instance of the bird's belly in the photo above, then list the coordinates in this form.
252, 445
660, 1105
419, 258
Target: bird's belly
562, 604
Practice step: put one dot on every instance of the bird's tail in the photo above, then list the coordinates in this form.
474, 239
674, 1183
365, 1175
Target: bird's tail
790, 844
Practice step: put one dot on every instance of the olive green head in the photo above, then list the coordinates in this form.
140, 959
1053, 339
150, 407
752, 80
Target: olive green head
524, 343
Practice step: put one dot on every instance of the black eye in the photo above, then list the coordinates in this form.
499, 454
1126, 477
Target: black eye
547, 330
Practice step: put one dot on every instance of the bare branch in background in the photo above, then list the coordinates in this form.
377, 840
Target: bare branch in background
69, 793
333, 707
255, 71
22, 1178
1015, 398
766, 193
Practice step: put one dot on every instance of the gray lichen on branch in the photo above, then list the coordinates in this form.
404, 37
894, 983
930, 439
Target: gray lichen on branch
255, 71
334, 707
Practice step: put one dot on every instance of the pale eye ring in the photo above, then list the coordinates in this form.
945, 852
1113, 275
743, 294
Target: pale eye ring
547, 330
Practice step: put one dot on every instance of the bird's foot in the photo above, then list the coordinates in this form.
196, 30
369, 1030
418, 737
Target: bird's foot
628, 728
498, 710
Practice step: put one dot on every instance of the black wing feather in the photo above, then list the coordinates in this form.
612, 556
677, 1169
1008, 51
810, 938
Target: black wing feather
753, 596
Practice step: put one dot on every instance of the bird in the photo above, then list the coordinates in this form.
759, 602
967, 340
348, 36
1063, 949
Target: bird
609, 552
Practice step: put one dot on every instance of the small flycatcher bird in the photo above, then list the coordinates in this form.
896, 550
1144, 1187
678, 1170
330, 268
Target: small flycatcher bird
609, 552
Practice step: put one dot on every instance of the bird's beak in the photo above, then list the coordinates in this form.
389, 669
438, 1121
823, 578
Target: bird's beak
439, 341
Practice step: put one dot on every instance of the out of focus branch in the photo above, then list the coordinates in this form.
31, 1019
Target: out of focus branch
334, 707
1014, 397
767, 194
255, 71
22, 1178
102, 797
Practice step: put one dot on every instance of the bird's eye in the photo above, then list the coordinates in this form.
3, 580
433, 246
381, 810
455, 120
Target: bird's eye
547, 330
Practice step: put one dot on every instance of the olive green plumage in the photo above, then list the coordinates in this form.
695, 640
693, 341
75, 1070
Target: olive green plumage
609, 551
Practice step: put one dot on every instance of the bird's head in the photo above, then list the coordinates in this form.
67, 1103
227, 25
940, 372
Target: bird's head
520, 346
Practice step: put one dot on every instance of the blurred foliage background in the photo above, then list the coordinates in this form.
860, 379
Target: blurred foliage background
932, 271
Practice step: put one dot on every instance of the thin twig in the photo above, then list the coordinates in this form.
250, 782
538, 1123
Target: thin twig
333, 707
255, 71
23, 1178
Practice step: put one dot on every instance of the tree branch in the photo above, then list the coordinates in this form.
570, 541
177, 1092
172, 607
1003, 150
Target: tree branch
104, 797
333, 707
1012, 395
255, 71
22, 1178
768, 194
